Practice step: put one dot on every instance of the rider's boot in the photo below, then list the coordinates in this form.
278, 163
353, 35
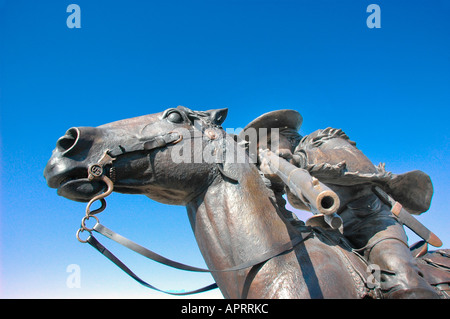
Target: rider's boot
400, 276
372, 229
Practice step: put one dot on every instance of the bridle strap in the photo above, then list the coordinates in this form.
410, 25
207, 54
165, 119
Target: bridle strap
142, 250
147, 144
105, 252
272, 253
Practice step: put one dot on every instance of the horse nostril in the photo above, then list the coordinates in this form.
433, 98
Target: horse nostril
68, 141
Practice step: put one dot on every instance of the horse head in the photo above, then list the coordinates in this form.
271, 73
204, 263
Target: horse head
155, 155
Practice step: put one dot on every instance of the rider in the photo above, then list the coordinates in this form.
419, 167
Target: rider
368, 223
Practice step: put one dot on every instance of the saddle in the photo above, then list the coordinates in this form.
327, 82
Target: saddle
435, 267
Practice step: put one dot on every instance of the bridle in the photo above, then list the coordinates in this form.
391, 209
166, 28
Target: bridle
98, 171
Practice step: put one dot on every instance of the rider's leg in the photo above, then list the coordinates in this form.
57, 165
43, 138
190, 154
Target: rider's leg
399, 276
369, 225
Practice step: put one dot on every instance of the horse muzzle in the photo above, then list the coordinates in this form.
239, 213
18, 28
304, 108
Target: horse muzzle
71, 183
67, 168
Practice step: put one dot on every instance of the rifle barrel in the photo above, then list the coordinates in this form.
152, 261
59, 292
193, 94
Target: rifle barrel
316, 195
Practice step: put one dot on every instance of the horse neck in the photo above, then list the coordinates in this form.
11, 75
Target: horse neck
236, 222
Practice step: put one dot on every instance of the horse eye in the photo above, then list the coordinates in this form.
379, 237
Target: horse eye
175, 117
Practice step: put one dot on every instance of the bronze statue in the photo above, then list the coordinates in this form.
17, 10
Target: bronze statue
369, 225
253, 246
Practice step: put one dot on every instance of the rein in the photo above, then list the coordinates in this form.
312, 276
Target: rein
97, 172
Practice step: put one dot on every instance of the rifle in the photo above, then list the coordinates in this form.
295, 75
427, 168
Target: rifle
319, 198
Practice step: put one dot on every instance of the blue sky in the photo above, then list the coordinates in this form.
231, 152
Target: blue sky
387, 88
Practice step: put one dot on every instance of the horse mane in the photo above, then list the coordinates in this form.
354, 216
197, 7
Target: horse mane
275, 190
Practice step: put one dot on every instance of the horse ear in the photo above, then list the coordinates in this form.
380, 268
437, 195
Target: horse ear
218, 116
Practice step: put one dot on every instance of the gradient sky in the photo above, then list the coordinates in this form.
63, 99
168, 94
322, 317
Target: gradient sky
387, 88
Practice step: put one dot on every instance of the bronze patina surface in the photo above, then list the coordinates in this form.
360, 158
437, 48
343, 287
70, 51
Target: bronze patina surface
236, 209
